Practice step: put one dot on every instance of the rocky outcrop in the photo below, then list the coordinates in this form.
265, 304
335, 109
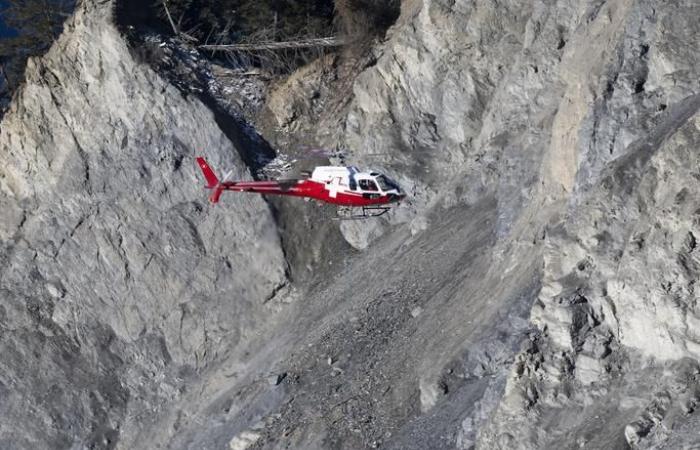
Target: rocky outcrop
618, 299
578, 118
119, 285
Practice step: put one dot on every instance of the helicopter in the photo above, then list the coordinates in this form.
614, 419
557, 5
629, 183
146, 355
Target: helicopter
345, 186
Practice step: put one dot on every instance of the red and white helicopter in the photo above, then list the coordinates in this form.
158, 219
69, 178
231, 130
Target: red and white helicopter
338, 185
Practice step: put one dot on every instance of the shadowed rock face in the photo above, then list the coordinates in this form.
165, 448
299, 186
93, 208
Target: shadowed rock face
550, 152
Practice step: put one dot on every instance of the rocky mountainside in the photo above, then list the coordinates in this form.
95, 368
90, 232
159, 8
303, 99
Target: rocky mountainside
537, 291
119, 286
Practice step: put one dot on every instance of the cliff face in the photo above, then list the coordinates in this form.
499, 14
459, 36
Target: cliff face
616, 358
538, 289
580, 119
120, 287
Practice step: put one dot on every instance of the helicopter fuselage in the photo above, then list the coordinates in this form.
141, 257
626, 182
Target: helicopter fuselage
343, 186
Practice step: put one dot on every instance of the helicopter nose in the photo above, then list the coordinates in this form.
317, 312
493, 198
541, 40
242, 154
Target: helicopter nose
397, 197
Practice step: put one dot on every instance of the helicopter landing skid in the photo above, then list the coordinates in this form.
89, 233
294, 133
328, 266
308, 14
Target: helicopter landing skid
367, 213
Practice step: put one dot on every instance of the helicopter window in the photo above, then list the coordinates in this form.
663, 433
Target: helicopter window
368, 185
385, 184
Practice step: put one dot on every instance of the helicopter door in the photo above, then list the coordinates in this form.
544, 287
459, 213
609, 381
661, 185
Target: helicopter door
353, 182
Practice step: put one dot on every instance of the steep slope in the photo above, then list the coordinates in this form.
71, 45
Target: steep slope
577, 120
616, 357
549, 150
120, 288
392, 350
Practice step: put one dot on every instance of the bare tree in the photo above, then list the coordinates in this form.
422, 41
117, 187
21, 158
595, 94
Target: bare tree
331, 41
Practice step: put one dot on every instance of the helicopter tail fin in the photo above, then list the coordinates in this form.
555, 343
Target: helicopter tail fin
212, 180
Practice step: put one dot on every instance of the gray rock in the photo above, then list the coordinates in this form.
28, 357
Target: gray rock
120, 283
536, 291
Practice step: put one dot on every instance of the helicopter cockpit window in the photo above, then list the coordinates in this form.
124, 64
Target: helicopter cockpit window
368, 185
385, 184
